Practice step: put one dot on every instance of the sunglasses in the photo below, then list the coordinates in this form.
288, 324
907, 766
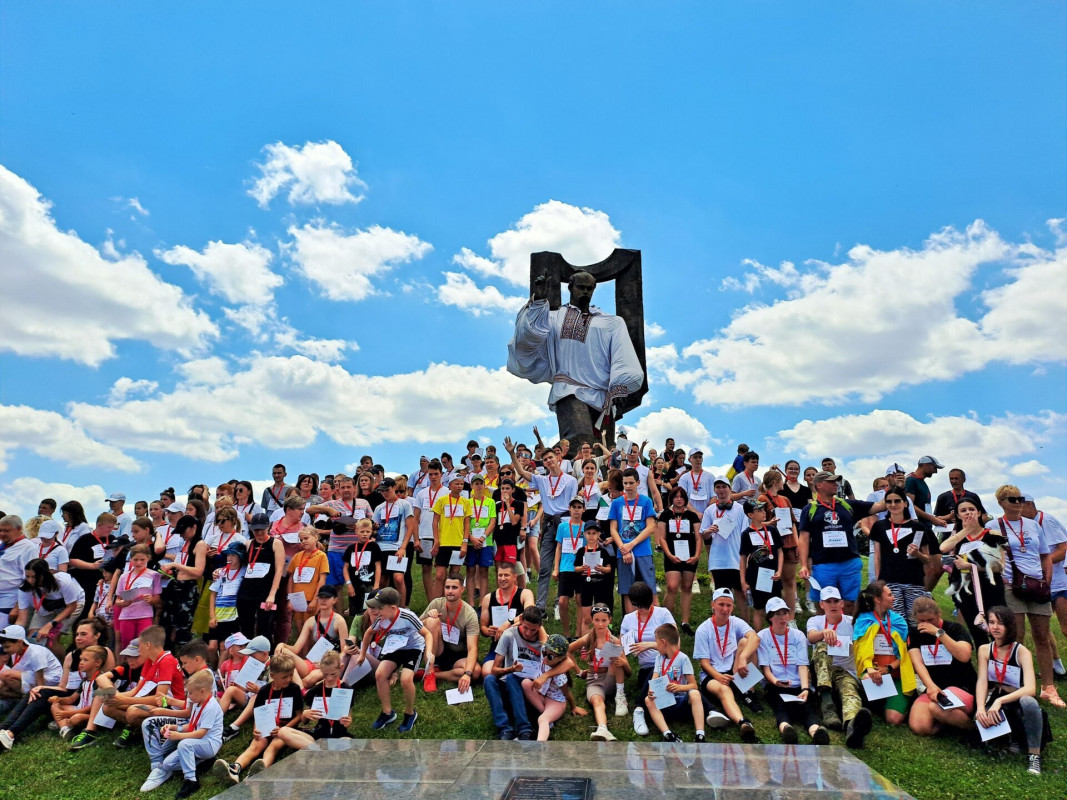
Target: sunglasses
1014, 499
600, 610
896, 502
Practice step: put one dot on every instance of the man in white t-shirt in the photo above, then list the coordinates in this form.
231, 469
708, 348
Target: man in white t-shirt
645, 482
1056, 538
721, 527
16, 552
835, 675
725, 647
29, 665
697, 483
116, 501
423, 511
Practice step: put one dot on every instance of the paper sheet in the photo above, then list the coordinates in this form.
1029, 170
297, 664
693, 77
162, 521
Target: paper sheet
875, 692
340, 703
356, 672
744, 685
953, 700
395, 564
454, 696
298, 602
611, 650
250, 671
1002, 728
843, 647
764, 579
319, 649
499, 616
681, 550
266, 719
658, 688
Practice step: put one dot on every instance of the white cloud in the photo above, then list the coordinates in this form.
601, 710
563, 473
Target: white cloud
686, 430
1056, 506
653, 330
120, 298
852, 317
785, 275
124, 387
135, 204
23, 495
300, 398
341, 265
864, 444
318, 349
461, 291
582, 235
239, 273
53, 436
318, 172
1028, 469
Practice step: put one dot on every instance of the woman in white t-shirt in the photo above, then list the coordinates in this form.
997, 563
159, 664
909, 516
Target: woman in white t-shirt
48, 604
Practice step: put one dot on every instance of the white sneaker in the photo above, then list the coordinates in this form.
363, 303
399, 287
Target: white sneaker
621, 709
156, 778
640, 726
602, 734
7, 740
717, 720
1057, 668
696, 586
555, 612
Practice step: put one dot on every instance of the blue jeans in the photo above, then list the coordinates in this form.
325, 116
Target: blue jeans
515, 698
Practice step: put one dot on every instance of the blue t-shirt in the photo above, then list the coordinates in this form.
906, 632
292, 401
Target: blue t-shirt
644, 513
565, 534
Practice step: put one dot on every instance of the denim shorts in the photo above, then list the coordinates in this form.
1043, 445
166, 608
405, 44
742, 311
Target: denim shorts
845, 575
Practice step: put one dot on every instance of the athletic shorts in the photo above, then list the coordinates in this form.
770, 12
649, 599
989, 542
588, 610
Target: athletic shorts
643, 568
568, 584
727, 579
337, 575
386, 555
845, 575
594, 593
444, 556
424, 557
449, 656
1020, 606
480, 557
507, 552
406, 659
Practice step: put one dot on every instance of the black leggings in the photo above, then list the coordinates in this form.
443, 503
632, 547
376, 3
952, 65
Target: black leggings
254, 621
28, 711
793, 713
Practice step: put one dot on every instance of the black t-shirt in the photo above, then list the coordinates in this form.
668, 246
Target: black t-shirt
798, 499
292, 691
375, 498
671, 521
326, 728
827, 524
960, 674
754, 545
947, 501
258, 588
363, 573
607, 559
506, 533
897, 567
83, 550
518, 497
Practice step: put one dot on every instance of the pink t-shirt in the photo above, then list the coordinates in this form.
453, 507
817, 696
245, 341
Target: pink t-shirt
144, 583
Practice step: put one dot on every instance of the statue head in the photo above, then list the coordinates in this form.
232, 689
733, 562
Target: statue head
581, 286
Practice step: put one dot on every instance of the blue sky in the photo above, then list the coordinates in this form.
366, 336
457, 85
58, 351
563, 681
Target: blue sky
844, 215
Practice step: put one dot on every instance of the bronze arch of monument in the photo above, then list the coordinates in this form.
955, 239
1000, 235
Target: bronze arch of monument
623, 267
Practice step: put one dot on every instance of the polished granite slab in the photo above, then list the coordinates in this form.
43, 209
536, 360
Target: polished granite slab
433, 769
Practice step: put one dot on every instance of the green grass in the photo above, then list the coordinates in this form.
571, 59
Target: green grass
942, 768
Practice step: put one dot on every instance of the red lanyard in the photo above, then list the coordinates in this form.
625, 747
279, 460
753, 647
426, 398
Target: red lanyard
131, 579
451, 623
781, 655
325, 704
833, 503
41, 551
720, 512
199, 713
303, 563
512, 597
226, 541
383, 632
388, 512
887, 630
431, 495
696, 480
505, 515
553, 487
896, 532
1021, 534
933, 650
665, 668
630, 513
270, 697
596, 662
765, 535
587, 493
640, 627
451, 508
323, 629
956, 500
478, 511
1000, 674
37, 601
359, 555
228, 576
725, 640
254, 557
678, 524
570, 535
87, 688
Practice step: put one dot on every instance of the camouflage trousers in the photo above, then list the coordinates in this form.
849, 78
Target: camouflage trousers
840, 680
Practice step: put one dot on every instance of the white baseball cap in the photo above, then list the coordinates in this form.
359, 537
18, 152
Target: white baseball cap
14, 633
723, 592
175, 508
116, 497
235, 638
49, 529
776, 604
260, 644
829, 593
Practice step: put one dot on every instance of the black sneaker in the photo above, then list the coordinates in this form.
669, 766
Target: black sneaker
669, 736
754, 705
820, 736
700, 739
788, 734
857, 729
84, 739
1033, 764
187, 789
686, 629
225, 772
505, 734
229, 733
408, 722
383, 720
125, 739
748, 732
527, 736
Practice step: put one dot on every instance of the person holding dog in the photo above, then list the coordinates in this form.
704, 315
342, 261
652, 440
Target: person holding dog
979, 560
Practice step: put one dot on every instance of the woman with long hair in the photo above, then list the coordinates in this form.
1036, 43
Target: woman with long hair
48, 604
902, 547
881, 649
179, 597
76, 523
976, 593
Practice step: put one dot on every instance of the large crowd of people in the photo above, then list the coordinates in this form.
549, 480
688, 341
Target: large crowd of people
282, 612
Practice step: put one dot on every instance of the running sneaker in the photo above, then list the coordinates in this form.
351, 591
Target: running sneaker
408, 722
84, 739
383, 720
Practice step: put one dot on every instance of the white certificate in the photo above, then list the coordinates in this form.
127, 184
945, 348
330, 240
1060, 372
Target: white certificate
257, 570
395, 563
796, 514
339, 705
229, 588
681, 550
602, 512
450, 633
298, 602
658, 688
875, 692
457, 558
304, 575
500, 615
1002, 728
843, 648
319, 649
784, 516
790, 698
764, 579
291, 538
364, 560
611, 650
744, 684
678, 526
265, 719
834, 539
147, 689
249, 672
530, 668
102, 720
356, 672
934, 656
98, 552
591, 560
455, 696
569, 546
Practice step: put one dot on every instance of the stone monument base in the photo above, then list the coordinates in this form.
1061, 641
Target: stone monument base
390, 769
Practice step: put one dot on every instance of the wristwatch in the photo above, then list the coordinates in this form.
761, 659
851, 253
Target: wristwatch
940, 633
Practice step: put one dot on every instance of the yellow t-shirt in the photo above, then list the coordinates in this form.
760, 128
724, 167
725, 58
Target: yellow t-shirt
450, 513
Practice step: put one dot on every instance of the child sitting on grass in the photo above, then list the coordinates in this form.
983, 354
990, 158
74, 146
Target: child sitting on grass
550, 692
676, 667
